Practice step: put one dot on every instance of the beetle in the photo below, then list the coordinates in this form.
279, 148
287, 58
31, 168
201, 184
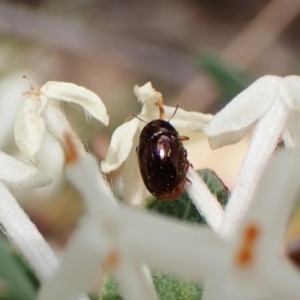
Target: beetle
162, 159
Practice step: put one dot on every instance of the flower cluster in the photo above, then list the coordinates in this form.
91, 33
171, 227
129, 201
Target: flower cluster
271, 104
249, 265
239, 257
42, 108
125, 139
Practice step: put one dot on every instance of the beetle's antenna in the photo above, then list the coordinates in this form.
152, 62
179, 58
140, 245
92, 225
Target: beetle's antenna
174, 113
138, 118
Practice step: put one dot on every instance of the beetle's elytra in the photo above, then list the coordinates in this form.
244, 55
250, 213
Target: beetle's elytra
162, 159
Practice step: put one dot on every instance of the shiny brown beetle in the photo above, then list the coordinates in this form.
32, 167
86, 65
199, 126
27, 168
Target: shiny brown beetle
162, 158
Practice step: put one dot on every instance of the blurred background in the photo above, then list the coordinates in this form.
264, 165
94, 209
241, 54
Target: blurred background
198, 53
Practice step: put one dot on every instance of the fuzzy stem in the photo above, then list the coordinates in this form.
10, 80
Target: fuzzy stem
263, 143
25, 236
205, 202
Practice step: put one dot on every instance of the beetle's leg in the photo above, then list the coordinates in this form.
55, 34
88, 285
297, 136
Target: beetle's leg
188, 165
160, 104
185, 156
184, 138
187, 180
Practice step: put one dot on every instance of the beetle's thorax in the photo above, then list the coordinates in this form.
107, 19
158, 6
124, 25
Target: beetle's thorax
156, 128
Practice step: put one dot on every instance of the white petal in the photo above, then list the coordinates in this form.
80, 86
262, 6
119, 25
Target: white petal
30, 127
51, 163
164, 244
85, 176
148, 97
234, 286
18, 175
276, 195
282, 278
146, 93
120, 145
58, 125
88, 247
11, 88
187, 120
70, 92
291, 96
263, 143
134, 191
232, 122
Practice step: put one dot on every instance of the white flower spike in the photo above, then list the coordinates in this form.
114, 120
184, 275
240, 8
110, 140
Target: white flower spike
41, 109
125, 139
272, 104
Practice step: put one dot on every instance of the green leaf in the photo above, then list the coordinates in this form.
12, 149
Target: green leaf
230, 79
167, 288
170, 288
27, 270
16, 285
215, 185
183, 208
110, 291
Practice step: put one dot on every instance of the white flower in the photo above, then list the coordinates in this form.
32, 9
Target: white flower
259, 267
15, 175
11, 87
125, 139
42, 109
247, 265
271, 104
